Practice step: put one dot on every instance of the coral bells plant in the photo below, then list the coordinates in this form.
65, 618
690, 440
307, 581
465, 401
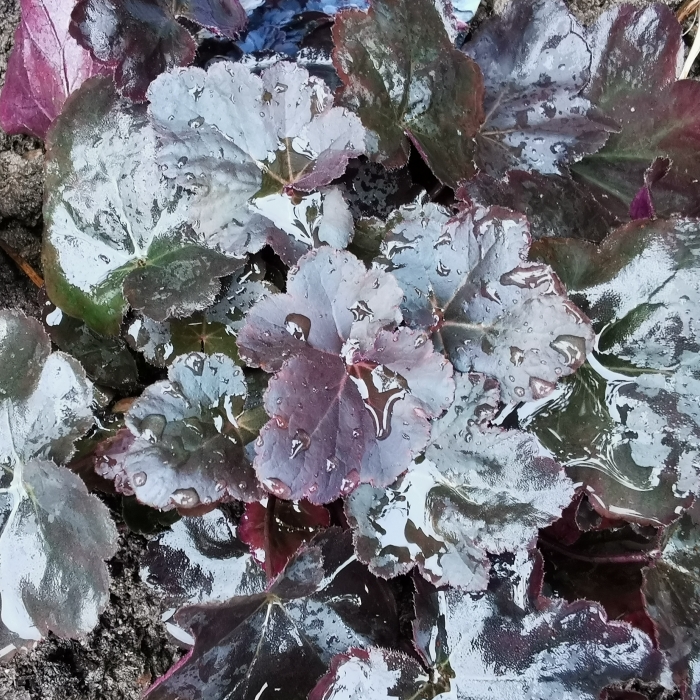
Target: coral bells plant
393, 319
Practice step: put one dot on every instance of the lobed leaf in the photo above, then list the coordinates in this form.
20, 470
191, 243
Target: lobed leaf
250, 146
480, 491
46, 65
54, 536
351, 397
658, 122
535, 63
408, 83
467, 279
117, 231
322, 602
142, 39
187, 441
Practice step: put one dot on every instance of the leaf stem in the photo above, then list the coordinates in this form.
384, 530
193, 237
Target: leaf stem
268, 529
629, 558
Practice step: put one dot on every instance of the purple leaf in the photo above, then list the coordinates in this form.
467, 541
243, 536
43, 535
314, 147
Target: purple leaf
467, 278
672, 591
642, 206
374, 673
556, 206
351, 399
142, 39
276, 529
200, 560
45, 66
322, 603
479, 491
250, 146
408, 84
658, 122
54, 535
189, 437
535, 63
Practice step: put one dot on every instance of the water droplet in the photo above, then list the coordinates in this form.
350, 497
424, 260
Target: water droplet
516, 356
313, 489
278, 488
185, 498
196, 122
220, 486
195, 363
332, 463
300, 442
380, 389
571, 347
298, 326
139, 479
519, 391
281, 422
152, 427
182, 161
361, 311
541, 387
442, 269
350, 482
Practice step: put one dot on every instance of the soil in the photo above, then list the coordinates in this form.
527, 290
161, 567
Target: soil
130, 647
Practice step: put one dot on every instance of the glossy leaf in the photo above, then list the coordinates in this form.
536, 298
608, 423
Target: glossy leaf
187, 438
45, 66
213, 330
467, 278
274, 530
654, 122
372, 674
201, 560
408, 83
142, 38
351, 397
54, 536
535, 63
321, 603
117, 231
479, 491
106, 360
249, 146
672, 590
556, 206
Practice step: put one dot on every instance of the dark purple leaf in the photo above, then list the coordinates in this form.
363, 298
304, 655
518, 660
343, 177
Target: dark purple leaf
656, 122
479, 491
252, 149
200, 560
535, 63
141, 39
642, 206
555, 205
408, 83
372, 674
351, 399
274, 530
322, 603
468, 279
672, 590
54, 536
45, 66
188, 439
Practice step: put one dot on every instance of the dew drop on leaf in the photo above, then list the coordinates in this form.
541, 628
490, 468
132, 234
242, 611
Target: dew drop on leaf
185, 498
300, 442
298, 326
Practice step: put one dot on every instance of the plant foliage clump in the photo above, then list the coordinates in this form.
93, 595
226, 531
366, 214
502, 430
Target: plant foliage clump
423, 301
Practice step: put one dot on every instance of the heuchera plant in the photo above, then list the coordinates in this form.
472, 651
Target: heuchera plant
393, 323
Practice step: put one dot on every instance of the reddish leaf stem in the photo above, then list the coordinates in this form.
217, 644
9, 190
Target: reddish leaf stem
629, 558
268, 529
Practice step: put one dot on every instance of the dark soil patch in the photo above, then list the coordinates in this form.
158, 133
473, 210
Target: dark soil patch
130, 647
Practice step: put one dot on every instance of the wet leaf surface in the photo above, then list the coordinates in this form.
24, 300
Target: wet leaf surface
467, 278
54, 536
535, 62
407, 82
187, 441
351, 396
480, 491
43, 46
321, 604
117, 230
252, 149
142, 39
